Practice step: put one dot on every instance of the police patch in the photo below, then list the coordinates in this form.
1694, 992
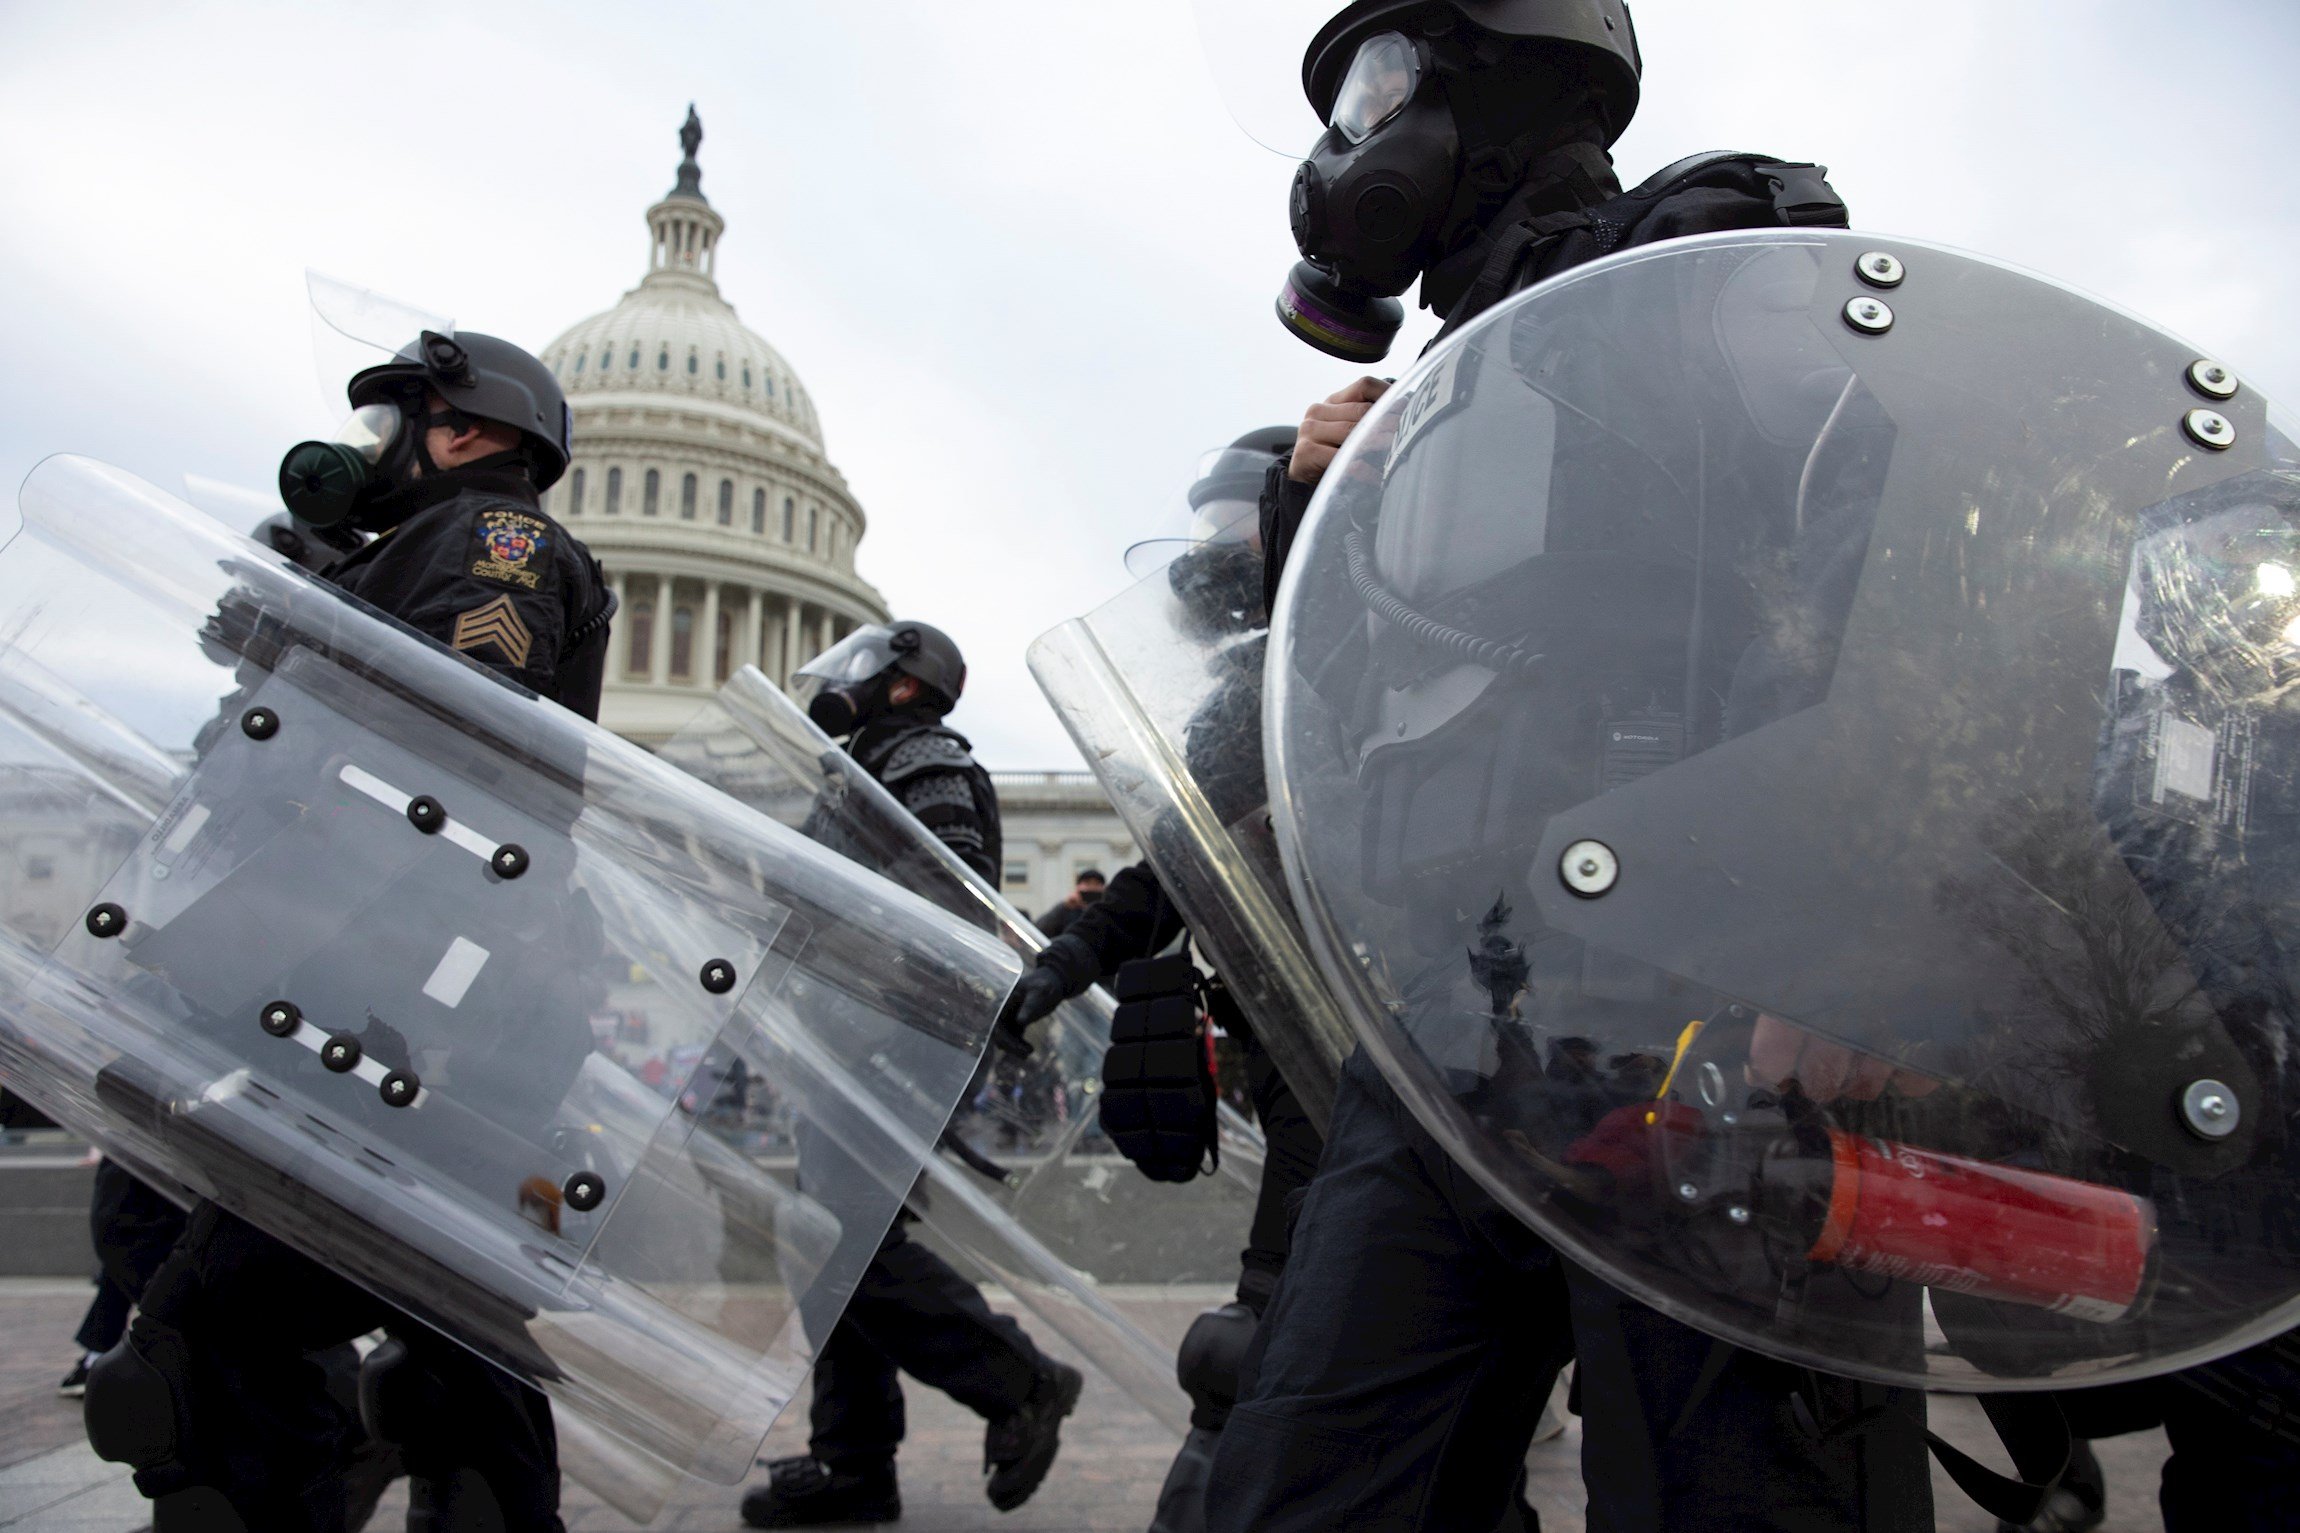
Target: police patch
510, 548
498, 623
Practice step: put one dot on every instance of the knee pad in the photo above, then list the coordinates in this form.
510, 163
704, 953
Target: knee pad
135, 1404
1212, 1354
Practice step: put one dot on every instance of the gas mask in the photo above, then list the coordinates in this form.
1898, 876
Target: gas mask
1369, 205
849, 684
351, 480
842, 708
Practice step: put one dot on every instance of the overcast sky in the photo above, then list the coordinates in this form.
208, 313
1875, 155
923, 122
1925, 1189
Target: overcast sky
1019, 253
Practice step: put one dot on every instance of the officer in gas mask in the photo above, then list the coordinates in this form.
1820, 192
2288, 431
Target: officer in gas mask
884, 690
219, 1396
1405, 1360
445, 456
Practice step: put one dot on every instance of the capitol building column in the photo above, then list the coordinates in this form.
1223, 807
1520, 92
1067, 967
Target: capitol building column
659, 636
706, 662
670, 390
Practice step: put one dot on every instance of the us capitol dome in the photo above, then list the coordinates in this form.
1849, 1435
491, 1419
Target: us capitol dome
700, 481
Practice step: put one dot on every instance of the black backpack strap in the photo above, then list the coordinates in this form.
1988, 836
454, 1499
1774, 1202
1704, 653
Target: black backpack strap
1538, 247
1803, 197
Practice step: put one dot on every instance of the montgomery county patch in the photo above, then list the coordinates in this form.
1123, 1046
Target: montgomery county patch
497, 623
510, 547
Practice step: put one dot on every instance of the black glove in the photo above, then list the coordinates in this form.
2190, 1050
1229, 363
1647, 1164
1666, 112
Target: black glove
1158, 1092
1064, 968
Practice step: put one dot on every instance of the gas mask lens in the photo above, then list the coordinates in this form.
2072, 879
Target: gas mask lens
371, 429
1381, 81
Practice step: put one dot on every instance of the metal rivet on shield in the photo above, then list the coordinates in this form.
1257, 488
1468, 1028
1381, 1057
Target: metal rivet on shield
1688, 1193
1589, 868
1871, 316
2210, 1109
2209, 428
259, 723
341, 1053
281, 1019
509, 861
399, 1089
107, 920
1737, 1214
2211, 379
1879, 268
425, 814
718, 976
584, 1191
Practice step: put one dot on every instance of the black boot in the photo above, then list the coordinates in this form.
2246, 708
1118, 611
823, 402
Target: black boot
1019, 1449
805, 1492
2080, 1502
1182, 1499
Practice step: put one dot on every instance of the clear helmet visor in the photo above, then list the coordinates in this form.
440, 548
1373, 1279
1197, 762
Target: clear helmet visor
1253, 51
1382, 79
856, 658
354, 328
1223, 506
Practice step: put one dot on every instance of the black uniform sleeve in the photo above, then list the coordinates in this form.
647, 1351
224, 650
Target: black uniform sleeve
944, 803
1133, 919
494, 583
1284, 502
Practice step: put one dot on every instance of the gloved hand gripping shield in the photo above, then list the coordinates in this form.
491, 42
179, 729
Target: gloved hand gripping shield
1010, 1191
1784, 750
1161, 689
378, 913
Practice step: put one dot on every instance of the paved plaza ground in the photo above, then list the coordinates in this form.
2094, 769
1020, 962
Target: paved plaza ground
1113, 1454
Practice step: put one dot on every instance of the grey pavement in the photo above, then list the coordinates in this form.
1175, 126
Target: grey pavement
1106, 1481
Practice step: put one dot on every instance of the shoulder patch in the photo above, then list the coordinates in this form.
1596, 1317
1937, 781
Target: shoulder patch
508, 547
498, 623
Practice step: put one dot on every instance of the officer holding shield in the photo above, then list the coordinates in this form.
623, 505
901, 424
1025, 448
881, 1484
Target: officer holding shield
441, 464
1404, 1361
885, 689
1788, 874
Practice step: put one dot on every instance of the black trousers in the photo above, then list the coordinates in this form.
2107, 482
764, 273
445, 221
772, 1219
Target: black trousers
1417, 1332
912, 1314
134, 1229
1292, 1146
263, 1427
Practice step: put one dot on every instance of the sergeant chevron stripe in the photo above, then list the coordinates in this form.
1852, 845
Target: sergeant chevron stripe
497, 623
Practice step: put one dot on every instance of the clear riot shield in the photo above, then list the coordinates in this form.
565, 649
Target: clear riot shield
1161, 689
449, 988
1785, 748
1021, 1189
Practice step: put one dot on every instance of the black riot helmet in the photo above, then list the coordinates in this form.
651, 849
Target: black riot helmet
351, 480
846, 685
481, 376
1436, 114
